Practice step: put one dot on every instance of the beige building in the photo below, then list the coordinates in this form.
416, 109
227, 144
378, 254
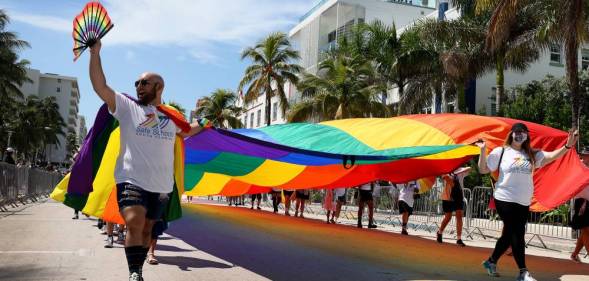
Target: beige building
67, 94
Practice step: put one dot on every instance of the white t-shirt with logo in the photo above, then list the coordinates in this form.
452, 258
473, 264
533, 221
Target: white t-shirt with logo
146, 158
515, 183
406, 191
340, 192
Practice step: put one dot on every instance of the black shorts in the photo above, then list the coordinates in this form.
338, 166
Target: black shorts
404, 208
341, 199
132, 195
256, 196
580, 221
452, 206
302, 195
158, 229
365, 195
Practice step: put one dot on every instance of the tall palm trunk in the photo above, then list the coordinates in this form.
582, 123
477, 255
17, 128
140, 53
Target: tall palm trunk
575, 15
268, 112
572, 65
500, 81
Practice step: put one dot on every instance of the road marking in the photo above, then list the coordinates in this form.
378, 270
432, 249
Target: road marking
80, 252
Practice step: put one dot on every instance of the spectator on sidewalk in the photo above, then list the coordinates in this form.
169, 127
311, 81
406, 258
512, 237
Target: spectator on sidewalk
407, 193
365, 198
453, 201
9, 158
580, 222
516, 162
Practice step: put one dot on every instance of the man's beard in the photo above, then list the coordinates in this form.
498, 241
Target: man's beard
147, 98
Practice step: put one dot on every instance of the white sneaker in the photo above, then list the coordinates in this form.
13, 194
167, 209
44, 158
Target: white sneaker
135, 277
526, 276
109, 242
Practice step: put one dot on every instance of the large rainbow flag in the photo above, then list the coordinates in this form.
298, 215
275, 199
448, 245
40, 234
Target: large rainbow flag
345, 153
91, 186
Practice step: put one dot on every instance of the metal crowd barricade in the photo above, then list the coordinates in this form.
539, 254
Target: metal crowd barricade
23, 184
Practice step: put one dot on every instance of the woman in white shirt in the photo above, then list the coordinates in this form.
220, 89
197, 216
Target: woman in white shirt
516, 162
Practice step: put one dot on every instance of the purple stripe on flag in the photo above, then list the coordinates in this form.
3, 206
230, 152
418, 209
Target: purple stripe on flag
81, 177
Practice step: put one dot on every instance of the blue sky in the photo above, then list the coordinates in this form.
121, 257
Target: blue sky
194, 44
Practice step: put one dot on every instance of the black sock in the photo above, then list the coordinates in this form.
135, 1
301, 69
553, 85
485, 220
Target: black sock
135, 257
522, 270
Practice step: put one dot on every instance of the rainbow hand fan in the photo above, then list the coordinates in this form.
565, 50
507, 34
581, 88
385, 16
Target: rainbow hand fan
89, 26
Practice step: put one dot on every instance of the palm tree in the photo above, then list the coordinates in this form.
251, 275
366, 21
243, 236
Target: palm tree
448, 54
390, 54
12, 73
564, 21
347, 86
271, 68
178, 107
220, 109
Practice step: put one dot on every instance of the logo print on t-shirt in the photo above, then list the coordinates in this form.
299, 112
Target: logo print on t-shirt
152, 128
520, 165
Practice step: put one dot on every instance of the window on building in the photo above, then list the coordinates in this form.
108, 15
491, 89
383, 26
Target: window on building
252, 120
58, 89
584, 59
493, 109
331, 37
555, 56
58, 80
274, 111
245, 121
258, 121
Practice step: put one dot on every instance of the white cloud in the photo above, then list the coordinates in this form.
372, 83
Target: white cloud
46, 22
188, 23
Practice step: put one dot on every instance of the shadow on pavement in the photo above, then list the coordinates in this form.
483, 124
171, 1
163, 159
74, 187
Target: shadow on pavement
168, 248
186, 263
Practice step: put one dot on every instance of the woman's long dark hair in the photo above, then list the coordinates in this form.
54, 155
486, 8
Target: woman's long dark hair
525, 146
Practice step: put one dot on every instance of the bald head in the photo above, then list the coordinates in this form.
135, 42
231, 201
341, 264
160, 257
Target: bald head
150, 87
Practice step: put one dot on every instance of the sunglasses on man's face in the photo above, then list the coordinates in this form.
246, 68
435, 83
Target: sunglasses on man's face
141, 82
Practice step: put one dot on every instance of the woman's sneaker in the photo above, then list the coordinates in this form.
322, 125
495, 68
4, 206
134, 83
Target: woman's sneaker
525, 276
491, 268
109, 242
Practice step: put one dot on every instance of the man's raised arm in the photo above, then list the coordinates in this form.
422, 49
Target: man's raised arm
98, 80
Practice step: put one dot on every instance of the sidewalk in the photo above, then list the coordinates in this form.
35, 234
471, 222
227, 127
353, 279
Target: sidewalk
41, 242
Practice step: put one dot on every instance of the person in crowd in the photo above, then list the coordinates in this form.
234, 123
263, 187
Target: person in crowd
453, 202
407, 194
516, 161
10, 156
158, 229
259, 198
287, 200
365, 198
302, 195
275, 193
580, 221
329, 205
340, 195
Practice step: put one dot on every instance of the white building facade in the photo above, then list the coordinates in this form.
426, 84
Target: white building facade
67, 94
320, 28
